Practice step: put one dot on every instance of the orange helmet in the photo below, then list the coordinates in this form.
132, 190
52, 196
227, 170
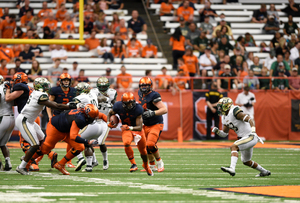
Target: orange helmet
128, 101
91, 111
20, 77
145, 85
65, 76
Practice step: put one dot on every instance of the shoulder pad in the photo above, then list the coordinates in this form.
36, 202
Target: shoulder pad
20, 86
156, 97
43, 97
236, 111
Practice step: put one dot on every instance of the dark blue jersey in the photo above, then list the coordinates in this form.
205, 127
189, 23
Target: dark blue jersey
147, 103
128, 117
21, 101
62, 97
63, 121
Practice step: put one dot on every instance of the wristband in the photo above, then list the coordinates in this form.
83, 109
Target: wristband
253, 129
130, 128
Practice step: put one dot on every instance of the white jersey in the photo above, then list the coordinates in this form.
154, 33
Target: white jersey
32, 109
243, 99
5, 107
111, 94
85, 99
241, 128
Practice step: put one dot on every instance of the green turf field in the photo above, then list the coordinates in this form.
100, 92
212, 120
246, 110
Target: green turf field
188, 175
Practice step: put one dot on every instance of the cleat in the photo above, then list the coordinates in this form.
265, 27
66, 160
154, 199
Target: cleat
153, 167
228, 170
88, 169
37, 160
61, 169
149, 171
70, 165
81, 162
8, 166
133, 168
267, 173
94, 164
143, 170
22, 171
22, 158
105, 164
34, 167
160, 166
53, 156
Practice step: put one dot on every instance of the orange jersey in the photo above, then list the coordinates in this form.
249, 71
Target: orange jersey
124, 80
7, 54
180, 82
160, 79
1, 12
152, 50
70, 47
89, 14
60, 15
185, 12
190, 62
117, 53
133, 51
21, 37
67, 25
178, 45
44, 13
52, 24
17, 48
115, 25
3, 71
7, 29
185, 69
123, 32
167, 8
93, 43
136, 42
25, 20
59, 2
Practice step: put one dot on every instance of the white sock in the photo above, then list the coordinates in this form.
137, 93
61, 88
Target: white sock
89, 160
234, 160
260, 168
104, 154
23, 164
80, 156
7, 158
94, 157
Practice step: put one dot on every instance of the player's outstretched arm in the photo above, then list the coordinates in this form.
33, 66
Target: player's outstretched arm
246, 118
54, 105
162, 109
221, 133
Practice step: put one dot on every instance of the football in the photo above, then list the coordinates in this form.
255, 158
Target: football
114, 119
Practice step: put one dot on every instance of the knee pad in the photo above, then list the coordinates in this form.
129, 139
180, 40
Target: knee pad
152, 149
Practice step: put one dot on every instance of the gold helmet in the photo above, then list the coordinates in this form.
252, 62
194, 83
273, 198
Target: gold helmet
82, 87
224, 105
102, 84
41, 84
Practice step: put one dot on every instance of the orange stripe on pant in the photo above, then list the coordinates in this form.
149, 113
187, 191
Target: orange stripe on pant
152, 134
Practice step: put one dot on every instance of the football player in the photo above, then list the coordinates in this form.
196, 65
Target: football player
132, 129
154, 108
30, 130
234, 118
62, 94
7, 124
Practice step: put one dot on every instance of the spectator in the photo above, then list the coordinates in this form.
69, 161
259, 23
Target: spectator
287, 59
193, 34
124, 80
207, 62
191, 3
136, 24
237, 52
292, 41
221, 27
38, 52
74, 72
181, 65
104, 51
102, 4
184, 29
92, 43
207, 11
88, 26
223, 83
29, 35
67, 25
5, 14
118, 37
32, 25
10, 74
122, 29
214, 50
47, 33
59, 53
111, 79
249, 40
102, 25
3, 68
260, 15
149, 51
7, 54
81, 78
225, 45
206, 26
116, 4
133, 50
272, 11
89, 13
272, 26
26, 19
191, 62
177, 41
264, 83
25, 8
7, 27
115, 22
163, 81
295, 52
35, 71
51, 23
20, 34
44, 12
18, 66
244, 72
26, 56
238, 65
281, 47
251, 81
279, 64
186, 12
70, 47
250, 58
267, 62
118, 51
54, 72
166, 8
61, 13
294, 83
290, 27
59, 3
291, 9
218, 69
223, 18
246, 100
200, 43
181, 80
275, 39
281, 84
256, 67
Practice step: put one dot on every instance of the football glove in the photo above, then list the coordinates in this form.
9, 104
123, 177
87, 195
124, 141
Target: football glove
7, 85
111, 125
148, 114
72, 105
215, 129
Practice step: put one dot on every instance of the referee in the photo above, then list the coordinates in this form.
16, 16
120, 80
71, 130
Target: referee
212, 98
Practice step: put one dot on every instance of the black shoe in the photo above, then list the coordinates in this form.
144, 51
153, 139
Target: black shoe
133, 168
81, 162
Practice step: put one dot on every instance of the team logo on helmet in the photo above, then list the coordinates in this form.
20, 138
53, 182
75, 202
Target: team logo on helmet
65, 76
41, 84
102, 84
91, 111
145, 85
224, 105
20, 77
128, 101
82, 87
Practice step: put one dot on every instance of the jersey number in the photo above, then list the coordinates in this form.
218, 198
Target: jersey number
28, 101
94, 102
231, 126
145, 106
127, 120
65, 100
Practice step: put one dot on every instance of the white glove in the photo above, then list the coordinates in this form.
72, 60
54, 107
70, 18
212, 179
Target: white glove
80, 106
137, 138
215, 129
